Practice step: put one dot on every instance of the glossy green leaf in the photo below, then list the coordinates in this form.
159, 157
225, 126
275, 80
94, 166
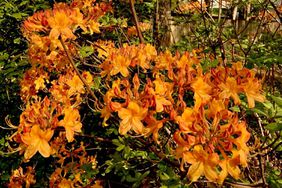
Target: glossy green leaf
277, 100
274, 126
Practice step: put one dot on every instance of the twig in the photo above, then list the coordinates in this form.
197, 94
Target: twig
276, 11
77, 71
132, 8
156, 26
270, 145
160, 154
259, 122
272, 78
257, 32
280, 143
246, 185
261, 169
220, 10
100, 139
126, 37
93, 55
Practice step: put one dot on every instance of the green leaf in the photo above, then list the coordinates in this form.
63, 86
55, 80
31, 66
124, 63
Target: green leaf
164, 176
129, 178
19, 16
116, 142
274, 126
4, 56
259, 111
86, 51
97, 82
235, 109
144, 175
277, 100
268, 105
23, 3
126, 152
17, 41
121, 147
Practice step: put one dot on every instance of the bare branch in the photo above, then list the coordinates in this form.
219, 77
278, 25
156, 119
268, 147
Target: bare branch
132, 8
77, 71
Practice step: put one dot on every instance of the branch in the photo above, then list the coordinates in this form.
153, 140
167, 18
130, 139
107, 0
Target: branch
276, 11
160, 154
257, 31
220, 10
96, 138
156, 26
271, 144
275, 148
244, 185
132, 8
261, 166
259, 122
77, 71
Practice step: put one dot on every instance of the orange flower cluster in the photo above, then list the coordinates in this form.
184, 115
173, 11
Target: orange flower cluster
131, 31
20, 178
45, 28
192, 7
39, 121
149, 91
144, 92
119, 60
41, 117
51, 89
72, 174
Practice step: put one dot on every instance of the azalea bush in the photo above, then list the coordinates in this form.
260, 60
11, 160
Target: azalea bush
96, 110
13, 62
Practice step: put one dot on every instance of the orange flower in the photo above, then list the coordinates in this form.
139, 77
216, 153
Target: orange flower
162, 88
38, 41
36, 23
40, 83
230, 89
201, 92
106, 114
76, 85
87, 77
37, 140
143, 27
20, 178
202, 163
161, 102
242, 139
183, 61
104, 48
71, 122
186, 120
65, 184
120, 65
252, 90
77, 18
60, 25
217, 111
153, 127
229, 166
93, 27
131, 118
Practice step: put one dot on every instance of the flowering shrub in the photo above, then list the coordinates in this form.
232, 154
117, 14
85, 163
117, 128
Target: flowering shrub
176, 92
143, 91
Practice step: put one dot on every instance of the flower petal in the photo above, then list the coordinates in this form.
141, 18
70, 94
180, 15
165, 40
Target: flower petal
195, 171
44, 148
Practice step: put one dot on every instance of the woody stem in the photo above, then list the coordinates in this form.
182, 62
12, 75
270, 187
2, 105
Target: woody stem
132, 8
77, 71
